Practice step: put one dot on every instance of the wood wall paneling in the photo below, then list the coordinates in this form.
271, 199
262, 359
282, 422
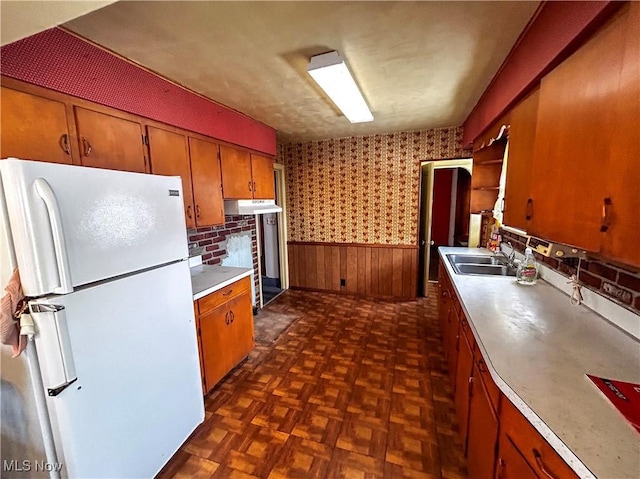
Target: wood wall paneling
372, 270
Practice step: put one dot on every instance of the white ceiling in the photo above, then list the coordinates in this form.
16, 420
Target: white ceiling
19, 19
419, 64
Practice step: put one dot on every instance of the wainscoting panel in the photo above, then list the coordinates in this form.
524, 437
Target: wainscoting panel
362, 269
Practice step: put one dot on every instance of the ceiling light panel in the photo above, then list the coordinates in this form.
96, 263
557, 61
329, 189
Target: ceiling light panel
332, 75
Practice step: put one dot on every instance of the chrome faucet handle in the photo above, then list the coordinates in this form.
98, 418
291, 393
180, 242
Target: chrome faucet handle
512, 255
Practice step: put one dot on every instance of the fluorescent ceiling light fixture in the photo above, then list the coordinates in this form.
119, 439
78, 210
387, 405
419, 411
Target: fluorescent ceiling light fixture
330, 72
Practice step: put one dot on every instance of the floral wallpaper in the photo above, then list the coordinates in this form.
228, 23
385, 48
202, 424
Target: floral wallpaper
361, 189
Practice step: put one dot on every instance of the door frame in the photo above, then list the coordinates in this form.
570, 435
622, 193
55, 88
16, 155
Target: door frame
281, 201
431, 166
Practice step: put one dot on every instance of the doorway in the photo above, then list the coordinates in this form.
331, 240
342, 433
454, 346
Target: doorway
445, 188
272, 245
269, 257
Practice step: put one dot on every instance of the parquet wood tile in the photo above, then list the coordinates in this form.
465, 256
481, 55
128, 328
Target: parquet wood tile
350, 465
363, 436
337, 387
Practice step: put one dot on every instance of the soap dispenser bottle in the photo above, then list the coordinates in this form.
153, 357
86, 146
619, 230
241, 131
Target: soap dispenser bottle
527, 272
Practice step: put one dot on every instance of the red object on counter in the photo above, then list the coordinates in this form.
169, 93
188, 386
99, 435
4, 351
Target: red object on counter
624, 396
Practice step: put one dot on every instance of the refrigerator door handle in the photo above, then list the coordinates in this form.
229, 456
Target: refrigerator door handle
43, 189
54, 346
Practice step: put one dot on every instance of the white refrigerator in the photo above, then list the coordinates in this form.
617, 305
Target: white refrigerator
110, 385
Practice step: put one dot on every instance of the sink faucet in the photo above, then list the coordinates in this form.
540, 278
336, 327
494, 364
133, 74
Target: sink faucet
509, 257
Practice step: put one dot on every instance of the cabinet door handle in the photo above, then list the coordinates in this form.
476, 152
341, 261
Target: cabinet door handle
189, 215
529, 211
233, 316
86, 146
226, 318
541, 465
254, 186
606, 214
64, 143
197, 211
502, 465
482, 366
250, 187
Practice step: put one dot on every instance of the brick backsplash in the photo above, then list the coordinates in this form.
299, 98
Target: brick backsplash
213, 239
613, 281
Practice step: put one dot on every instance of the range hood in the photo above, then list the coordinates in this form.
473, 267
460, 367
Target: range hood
250, 207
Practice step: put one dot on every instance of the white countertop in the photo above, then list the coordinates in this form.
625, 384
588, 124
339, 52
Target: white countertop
539, 348
206, 279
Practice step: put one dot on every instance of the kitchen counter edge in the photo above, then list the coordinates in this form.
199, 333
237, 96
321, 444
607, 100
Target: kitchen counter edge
215, 277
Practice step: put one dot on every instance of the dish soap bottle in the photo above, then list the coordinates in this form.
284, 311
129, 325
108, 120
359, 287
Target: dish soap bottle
527, 272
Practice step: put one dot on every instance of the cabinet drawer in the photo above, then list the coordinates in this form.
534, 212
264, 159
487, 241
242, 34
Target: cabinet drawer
213, 300
542, 458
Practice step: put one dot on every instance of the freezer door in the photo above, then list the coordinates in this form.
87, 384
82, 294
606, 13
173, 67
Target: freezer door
124, 389
73, 225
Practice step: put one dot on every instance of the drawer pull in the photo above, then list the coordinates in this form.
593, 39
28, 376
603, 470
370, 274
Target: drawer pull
542, 466
227, 293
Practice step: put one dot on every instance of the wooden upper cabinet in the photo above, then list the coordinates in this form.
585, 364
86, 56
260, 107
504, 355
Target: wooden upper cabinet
522, 136
246, 175
169, 156
236, 173
263, 179
207, 182
110, 142
587, 144
621, 240
34, 128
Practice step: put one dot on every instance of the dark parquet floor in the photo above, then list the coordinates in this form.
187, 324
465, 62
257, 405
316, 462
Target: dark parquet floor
352, 388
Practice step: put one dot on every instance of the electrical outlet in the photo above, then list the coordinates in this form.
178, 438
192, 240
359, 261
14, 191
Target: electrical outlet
343, 282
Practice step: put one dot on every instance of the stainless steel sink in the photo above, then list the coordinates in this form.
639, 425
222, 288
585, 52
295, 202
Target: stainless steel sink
480, 265
467, 259
491, 269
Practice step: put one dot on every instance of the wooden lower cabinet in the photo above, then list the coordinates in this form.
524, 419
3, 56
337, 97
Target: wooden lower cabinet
482, 430
511, 464
499, 441
464, 369
537, 452
453, 339
225, 330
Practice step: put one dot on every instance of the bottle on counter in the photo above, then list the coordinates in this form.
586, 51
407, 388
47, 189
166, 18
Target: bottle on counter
527, 272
